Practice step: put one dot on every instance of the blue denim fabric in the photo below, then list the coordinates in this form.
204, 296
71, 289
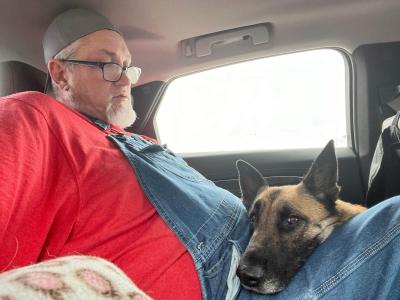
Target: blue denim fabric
360, 260
210, 221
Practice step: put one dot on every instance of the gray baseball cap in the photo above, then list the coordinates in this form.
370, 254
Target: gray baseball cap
70, 26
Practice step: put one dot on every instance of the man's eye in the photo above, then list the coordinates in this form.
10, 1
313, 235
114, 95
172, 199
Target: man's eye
292, 220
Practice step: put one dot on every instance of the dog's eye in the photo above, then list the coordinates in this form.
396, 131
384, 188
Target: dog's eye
253, 218
291, 220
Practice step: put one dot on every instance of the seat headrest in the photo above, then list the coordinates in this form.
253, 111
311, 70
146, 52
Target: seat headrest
17, 76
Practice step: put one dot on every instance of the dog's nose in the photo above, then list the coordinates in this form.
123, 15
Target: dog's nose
250, 276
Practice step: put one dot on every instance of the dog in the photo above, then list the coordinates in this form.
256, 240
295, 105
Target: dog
289, 222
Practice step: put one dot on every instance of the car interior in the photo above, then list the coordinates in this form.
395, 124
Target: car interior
173, 39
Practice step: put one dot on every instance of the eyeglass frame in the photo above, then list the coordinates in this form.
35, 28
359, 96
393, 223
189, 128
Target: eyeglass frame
101, 65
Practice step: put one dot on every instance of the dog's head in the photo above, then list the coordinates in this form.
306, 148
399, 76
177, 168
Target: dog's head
288, 222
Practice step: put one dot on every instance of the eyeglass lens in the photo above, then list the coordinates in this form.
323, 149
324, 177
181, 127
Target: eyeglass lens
113, 72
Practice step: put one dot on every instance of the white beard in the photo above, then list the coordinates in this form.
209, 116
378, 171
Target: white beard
122, 116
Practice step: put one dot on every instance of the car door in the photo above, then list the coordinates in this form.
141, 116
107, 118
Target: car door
276, 127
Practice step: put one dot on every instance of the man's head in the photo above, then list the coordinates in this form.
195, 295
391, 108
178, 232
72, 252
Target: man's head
79, 46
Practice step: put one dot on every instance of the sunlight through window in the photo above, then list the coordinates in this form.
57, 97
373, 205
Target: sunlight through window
291, 101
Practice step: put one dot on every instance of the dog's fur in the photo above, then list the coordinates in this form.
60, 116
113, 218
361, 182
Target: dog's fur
289, 222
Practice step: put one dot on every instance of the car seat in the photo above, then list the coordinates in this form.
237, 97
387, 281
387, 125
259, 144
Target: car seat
16, 76
384, 172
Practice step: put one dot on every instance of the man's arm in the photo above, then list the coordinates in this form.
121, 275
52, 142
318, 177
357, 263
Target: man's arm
30, 169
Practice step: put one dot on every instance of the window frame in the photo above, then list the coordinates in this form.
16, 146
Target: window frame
350, 108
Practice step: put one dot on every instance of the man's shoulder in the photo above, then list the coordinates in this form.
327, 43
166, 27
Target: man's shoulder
38, 108
32, 98
35, 102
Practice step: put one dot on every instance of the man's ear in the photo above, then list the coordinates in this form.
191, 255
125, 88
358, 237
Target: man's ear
321, 179
250, 182
57, 72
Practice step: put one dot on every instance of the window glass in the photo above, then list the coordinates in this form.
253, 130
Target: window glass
291, 101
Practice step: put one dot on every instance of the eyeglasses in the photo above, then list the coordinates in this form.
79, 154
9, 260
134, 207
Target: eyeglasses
111, 71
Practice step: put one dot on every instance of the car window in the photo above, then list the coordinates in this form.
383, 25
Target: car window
295, 100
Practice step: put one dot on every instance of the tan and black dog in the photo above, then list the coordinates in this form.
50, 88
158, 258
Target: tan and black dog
289, 222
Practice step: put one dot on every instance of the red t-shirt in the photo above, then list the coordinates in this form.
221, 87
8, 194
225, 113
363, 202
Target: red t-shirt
66, 189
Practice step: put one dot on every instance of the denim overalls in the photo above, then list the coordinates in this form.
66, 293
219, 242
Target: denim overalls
213, 226
210, 221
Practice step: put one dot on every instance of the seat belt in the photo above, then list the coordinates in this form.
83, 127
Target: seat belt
384, 175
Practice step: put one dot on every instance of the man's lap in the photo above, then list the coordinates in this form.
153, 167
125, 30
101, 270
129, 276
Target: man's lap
359, 260
351, 259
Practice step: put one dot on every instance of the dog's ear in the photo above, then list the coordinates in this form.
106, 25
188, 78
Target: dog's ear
250, 182
321, 179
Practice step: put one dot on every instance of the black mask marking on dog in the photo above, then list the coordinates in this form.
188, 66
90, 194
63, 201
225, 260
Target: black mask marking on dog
288, 222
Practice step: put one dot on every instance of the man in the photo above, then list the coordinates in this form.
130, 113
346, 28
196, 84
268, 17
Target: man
74, 182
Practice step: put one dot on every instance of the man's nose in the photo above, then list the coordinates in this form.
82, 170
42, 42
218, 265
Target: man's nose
124, 80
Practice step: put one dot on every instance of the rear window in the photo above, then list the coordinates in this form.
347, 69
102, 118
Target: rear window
291, 101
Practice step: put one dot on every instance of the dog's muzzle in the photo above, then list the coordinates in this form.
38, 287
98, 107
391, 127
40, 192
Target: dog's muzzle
250, 276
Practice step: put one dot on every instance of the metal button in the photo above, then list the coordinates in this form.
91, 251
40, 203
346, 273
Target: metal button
200, 246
